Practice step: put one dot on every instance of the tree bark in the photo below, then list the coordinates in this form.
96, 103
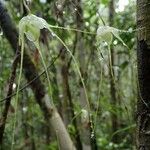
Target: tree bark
85, 130
89, 142
143, 58
69, 109
114, 117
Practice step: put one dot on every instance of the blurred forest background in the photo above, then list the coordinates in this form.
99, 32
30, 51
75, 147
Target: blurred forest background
97, 104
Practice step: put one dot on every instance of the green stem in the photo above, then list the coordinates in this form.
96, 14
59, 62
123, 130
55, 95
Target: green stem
46, 70
17, 95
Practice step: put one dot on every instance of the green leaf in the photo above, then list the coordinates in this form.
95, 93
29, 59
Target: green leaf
71, 129
104, 2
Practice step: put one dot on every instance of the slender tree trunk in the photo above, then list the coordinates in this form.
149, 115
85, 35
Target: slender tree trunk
67, 103
114, 118
143, 57
85, 132
65, 85
69, 107
88, 141
37, 86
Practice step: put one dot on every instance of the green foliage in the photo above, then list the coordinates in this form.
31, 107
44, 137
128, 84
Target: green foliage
71, 129
105, 2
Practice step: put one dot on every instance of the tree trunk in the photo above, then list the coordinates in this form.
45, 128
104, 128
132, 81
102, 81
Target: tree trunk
85, 132
69, 109
114, 118
143, 57
65, 84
